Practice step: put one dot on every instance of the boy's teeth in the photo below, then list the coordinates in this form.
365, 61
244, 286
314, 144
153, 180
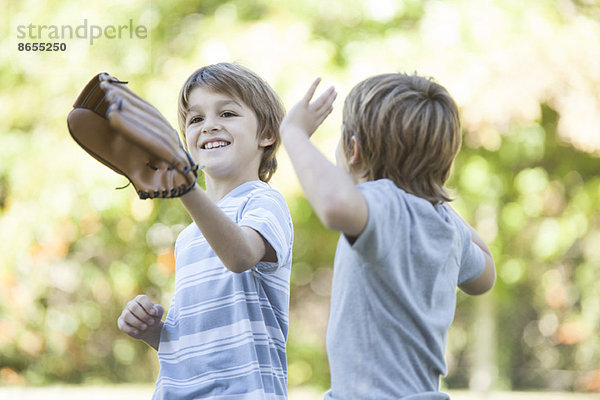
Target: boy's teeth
212, 145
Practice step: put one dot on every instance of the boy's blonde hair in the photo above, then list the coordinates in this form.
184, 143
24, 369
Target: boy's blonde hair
238, 82
408, 130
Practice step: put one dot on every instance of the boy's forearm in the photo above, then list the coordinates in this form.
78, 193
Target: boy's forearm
329, 189
228, 240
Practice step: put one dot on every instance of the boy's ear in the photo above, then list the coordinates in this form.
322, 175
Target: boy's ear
264, 142
355, 157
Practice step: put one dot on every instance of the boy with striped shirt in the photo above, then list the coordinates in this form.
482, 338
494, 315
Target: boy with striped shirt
225, 332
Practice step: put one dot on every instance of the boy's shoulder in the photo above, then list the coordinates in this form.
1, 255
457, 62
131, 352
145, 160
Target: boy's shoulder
389, 202
250, 189
381, 191
263, 188
385, 190
258, 192
257, 200
248, 194
379, 187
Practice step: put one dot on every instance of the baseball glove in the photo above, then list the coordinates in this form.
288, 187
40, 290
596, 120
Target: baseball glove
130, 136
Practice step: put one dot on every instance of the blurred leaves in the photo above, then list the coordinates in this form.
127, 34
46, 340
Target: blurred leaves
538, 210
526, 76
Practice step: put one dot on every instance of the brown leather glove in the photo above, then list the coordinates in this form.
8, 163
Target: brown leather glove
130, 136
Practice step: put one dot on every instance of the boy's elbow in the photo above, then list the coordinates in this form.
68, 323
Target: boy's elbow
485, 282
238, 270
238, 267
242, 262
476, 288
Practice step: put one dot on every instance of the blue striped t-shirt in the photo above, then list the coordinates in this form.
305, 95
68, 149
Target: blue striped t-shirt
225, 333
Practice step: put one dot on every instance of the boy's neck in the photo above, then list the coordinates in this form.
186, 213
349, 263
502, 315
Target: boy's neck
357, 178
216, 189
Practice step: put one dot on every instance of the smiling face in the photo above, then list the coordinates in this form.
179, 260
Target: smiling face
221, 134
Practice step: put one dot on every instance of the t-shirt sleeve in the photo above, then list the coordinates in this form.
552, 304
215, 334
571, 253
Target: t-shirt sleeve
472, 260
267, 213
373, 243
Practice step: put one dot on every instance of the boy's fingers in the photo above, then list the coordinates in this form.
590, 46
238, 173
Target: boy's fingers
126, 328
138, 315
147, 304
133, 321
123, 324
311, 91
159, 311
331, 99
325, 99
325, 115
138, 311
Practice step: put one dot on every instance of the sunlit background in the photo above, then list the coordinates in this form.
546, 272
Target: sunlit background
526, 75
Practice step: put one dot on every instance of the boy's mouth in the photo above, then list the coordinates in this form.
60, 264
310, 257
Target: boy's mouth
214, 144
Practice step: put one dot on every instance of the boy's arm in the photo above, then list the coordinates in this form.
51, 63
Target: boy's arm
486, 280
239, 247
330, 190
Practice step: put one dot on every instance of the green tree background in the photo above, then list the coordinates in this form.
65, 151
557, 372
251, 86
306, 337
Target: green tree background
526, 76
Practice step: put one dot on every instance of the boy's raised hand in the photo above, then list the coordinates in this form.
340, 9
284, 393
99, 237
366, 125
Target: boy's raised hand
141, 319
306, 116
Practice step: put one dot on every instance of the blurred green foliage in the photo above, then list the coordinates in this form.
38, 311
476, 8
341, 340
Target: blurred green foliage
73, 251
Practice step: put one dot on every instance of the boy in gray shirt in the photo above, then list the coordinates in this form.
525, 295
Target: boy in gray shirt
403, 249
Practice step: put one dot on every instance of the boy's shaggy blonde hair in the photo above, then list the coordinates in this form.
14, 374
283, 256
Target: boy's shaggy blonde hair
240, 83
408, 130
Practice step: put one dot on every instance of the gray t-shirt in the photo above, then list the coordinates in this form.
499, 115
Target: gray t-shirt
394, 296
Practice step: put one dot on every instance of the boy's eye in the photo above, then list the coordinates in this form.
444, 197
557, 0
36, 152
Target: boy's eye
228, 114
195, 120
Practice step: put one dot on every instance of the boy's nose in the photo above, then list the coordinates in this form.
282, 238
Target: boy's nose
210, 126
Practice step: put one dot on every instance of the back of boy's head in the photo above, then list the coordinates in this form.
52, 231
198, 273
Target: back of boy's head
408, 130
238, 82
